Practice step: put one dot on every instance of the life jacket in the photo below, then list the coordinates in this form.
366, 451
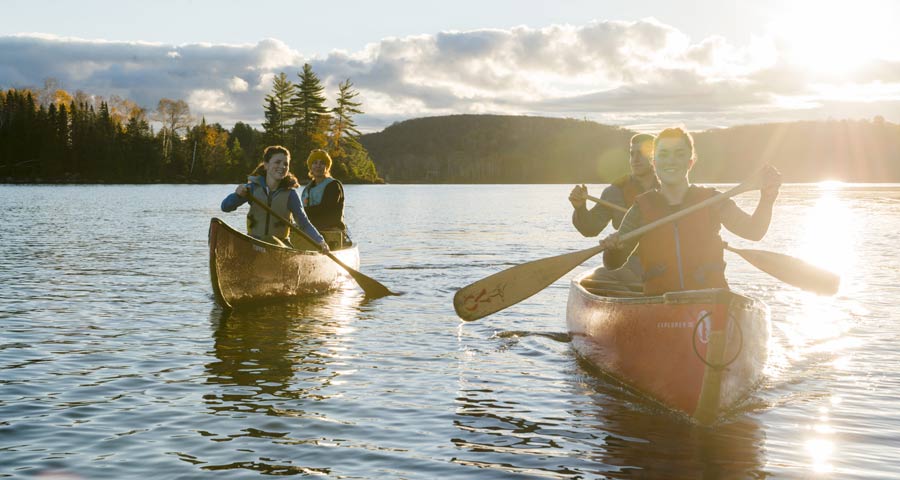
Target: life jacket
686, 254
630, 187
312, 195
260, 223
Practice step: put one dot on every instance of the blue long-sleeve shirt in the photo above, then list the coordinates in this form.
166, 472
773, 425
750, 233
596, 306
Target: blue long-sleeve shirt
233, 201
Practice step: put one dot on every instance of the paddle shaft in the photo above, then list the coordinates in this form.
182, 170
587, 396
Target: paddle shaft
370, 286
637, 232
607, 204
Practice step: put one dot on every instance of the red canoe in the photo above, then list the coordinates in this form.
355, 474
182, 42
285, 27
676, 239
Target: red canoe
697, 352
244, 269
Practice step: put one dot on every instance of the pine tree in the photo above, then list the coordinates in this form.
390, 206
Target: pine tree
280, 112
251, 142
237, 155
344, 134
63, 138
309, 105
106, 142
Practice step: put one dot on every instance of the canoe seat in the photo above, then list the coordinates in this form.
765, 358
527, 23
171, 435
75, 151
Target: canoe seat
613, 293
337, 239
590, 283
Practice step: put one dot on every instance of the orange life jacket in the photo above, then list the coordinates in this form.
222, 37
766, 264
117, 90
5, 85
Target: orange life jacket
686, 254
630, 187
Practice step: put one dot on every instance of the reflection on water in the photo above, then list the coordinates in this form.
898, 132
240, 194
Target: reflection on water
278, 350
820, 445
815, 334
605, 431
829, 233
277, 359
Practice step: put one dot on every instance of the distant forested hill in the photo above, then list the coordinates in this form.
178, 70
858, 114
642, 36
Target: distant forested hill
516, 149
498, 149
847, 150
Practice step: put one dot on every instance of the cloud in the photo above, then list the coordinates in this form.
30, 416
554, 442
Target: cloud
238, 84
206, 100
630, 73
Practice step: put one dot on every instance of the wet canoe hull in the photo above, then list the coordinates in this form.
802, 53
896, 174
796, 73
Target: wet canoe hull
243, 269
697, 352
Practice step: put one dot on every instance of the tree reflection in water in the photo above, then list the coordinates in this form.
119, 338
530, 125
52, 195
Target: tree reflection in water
273, 366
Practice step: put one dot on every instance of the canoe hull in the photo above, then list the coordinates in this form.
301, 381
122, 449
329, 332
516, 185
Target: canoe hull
244, 269
697, 352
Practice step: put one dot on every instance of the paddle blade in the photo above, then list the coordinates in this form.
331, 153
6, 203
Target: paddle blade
371, 287
792, 270
511, 286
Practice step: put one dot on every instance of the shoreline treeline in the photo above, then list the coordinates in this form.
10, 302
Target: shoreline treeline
51, 136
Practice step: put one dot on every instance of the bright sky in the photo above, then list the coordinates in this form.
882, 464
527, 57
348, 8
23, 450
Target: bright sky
641, 64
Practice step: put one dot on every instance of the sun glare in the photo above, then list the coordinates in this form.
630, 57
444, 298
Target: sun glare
836, 37
829, 228
831, 184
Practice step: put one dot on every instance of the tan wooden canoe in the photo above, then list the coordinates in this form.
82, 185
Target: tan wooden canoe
244, 269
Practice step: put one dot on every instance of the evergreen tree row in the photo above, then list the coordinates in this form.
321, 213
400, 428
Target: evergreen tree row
51, 136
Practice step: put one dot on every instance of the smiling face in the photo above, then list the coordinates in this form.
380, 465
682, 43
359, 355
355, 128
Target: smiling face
641, 156
277, 167
673, 159
318, 167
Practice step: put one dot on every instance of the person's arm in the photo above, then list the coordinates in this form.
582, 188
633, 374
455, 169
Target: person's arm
615, 195
753, 227
591, 222
296, 208
617, 251
235, 200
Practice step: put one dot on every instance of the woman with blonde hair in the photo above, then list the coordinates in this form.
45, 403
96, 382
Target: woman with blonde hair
323, 198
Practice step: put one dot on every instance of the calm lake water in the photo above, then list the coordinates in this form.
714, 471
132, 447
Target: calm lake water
116, 363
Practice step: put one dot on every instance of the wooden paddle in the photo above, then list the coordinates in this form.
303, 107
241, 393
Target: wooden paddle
791, 270
788, 269
607, 204
370, 286
509, 287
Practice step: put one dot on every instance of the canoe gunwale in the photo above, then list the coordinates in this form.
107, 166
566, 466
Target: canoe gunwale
710, 295
264, 244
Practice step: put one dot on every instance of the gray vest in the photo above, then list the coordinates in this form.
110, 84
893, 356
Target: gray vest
312, 196
259, 223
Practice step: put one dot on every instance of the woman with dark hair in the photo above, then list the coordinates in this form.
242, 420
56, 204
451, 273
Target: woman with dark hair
272, 183
323, 199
